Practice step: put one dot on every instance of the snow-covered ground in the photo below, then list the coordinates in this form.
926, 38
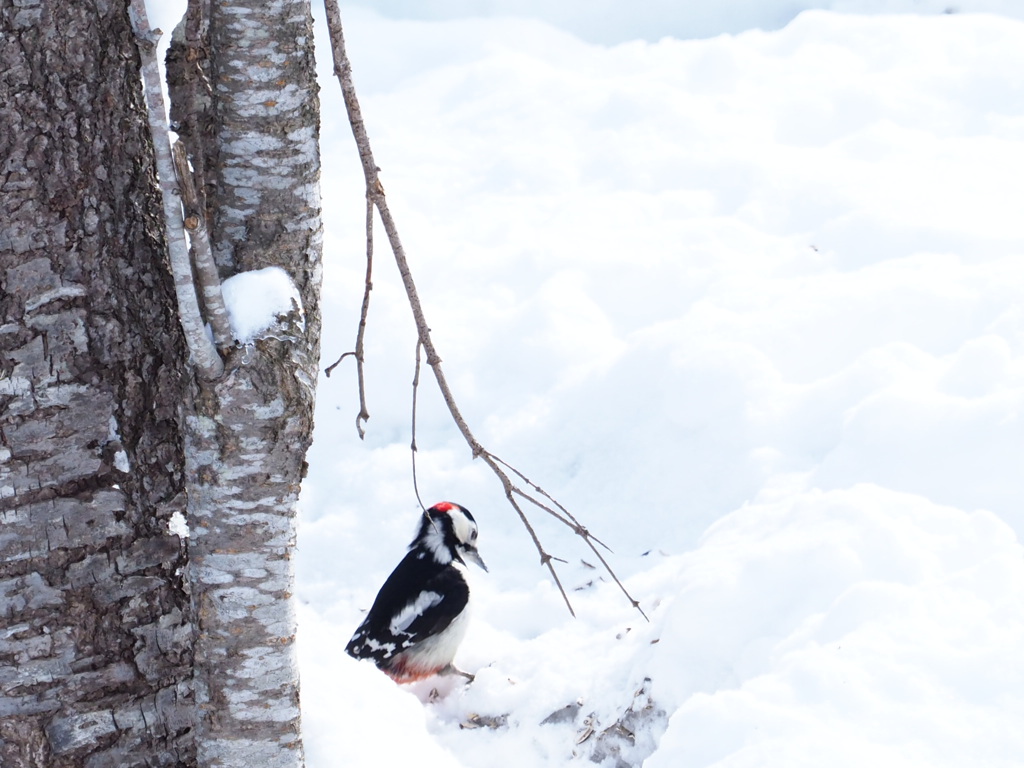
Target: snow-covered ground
752, 307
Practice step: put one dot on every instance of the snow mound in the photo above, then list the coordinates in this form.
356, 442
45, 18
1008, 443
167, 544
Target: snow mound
750, 308
844, 628
829, 627
258, 300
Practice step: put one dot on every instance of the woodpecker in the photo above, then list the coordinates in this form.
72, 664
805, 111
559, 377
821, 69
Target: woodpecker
419, 617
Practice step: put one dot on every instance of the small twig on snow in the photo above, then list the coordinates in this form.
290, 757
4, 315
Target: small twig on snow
208, 362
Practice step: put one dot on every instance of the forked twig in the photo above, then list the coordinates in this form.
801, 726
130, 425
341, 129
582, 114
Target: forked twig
330, 368
375, 194
363, 416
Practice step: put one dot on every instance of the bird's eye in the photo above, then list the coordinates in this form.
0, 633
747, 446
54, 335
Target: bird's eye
472, 536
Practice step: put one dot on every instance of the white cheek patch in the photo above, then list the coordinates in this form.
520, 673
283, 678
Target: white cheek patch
462, 526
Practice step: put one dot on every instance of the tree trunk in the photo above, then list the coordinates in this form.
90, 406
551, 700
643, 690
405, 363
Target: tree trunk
105, 626
255, 132
95, 633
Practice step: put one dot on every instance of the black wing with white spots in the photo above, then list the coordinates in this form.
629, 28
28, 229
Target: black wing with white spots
420, 599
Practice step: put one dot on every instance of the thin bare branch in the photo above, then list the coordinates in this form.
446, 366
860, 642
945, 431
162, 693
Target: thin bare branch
375, 194
363, 416
204, 354
565, 516
539, 490
415, 389
191, 93
580, 530
343, 70
611, 573
206, 269
336, 363
545, 558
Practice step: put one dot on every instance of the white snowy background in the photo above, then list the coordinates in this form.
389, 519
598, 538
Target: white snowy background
744, 290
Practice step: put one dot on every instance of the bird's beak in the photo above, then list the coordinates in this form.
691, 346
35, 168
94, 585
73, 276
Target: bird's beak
472, 554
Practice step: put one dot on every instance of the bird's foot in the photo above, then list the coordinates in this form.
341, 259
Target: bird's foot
451, 669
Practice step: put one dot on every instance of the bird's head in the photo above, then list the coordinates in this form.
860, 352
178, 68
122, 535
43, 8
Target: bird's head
448, 531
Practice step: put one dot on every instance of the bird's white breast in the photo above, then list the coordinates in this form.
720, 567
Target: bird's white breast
439, 650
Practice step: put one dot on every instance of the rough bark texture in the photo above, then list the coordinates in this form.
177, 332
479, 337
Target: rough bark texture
257, 140
95, 633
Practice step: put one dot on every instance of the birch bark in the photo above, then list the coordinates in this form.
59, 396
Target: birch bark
115, 648
95, 633
257, 139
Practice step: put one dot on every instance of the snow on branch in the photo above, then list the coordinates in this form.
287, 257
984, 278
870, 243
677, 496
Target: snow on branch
204, 353
375, 195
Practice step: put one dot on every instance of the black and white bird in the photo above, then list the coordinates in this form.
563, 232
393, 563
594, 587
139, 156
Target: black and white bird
419, 617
